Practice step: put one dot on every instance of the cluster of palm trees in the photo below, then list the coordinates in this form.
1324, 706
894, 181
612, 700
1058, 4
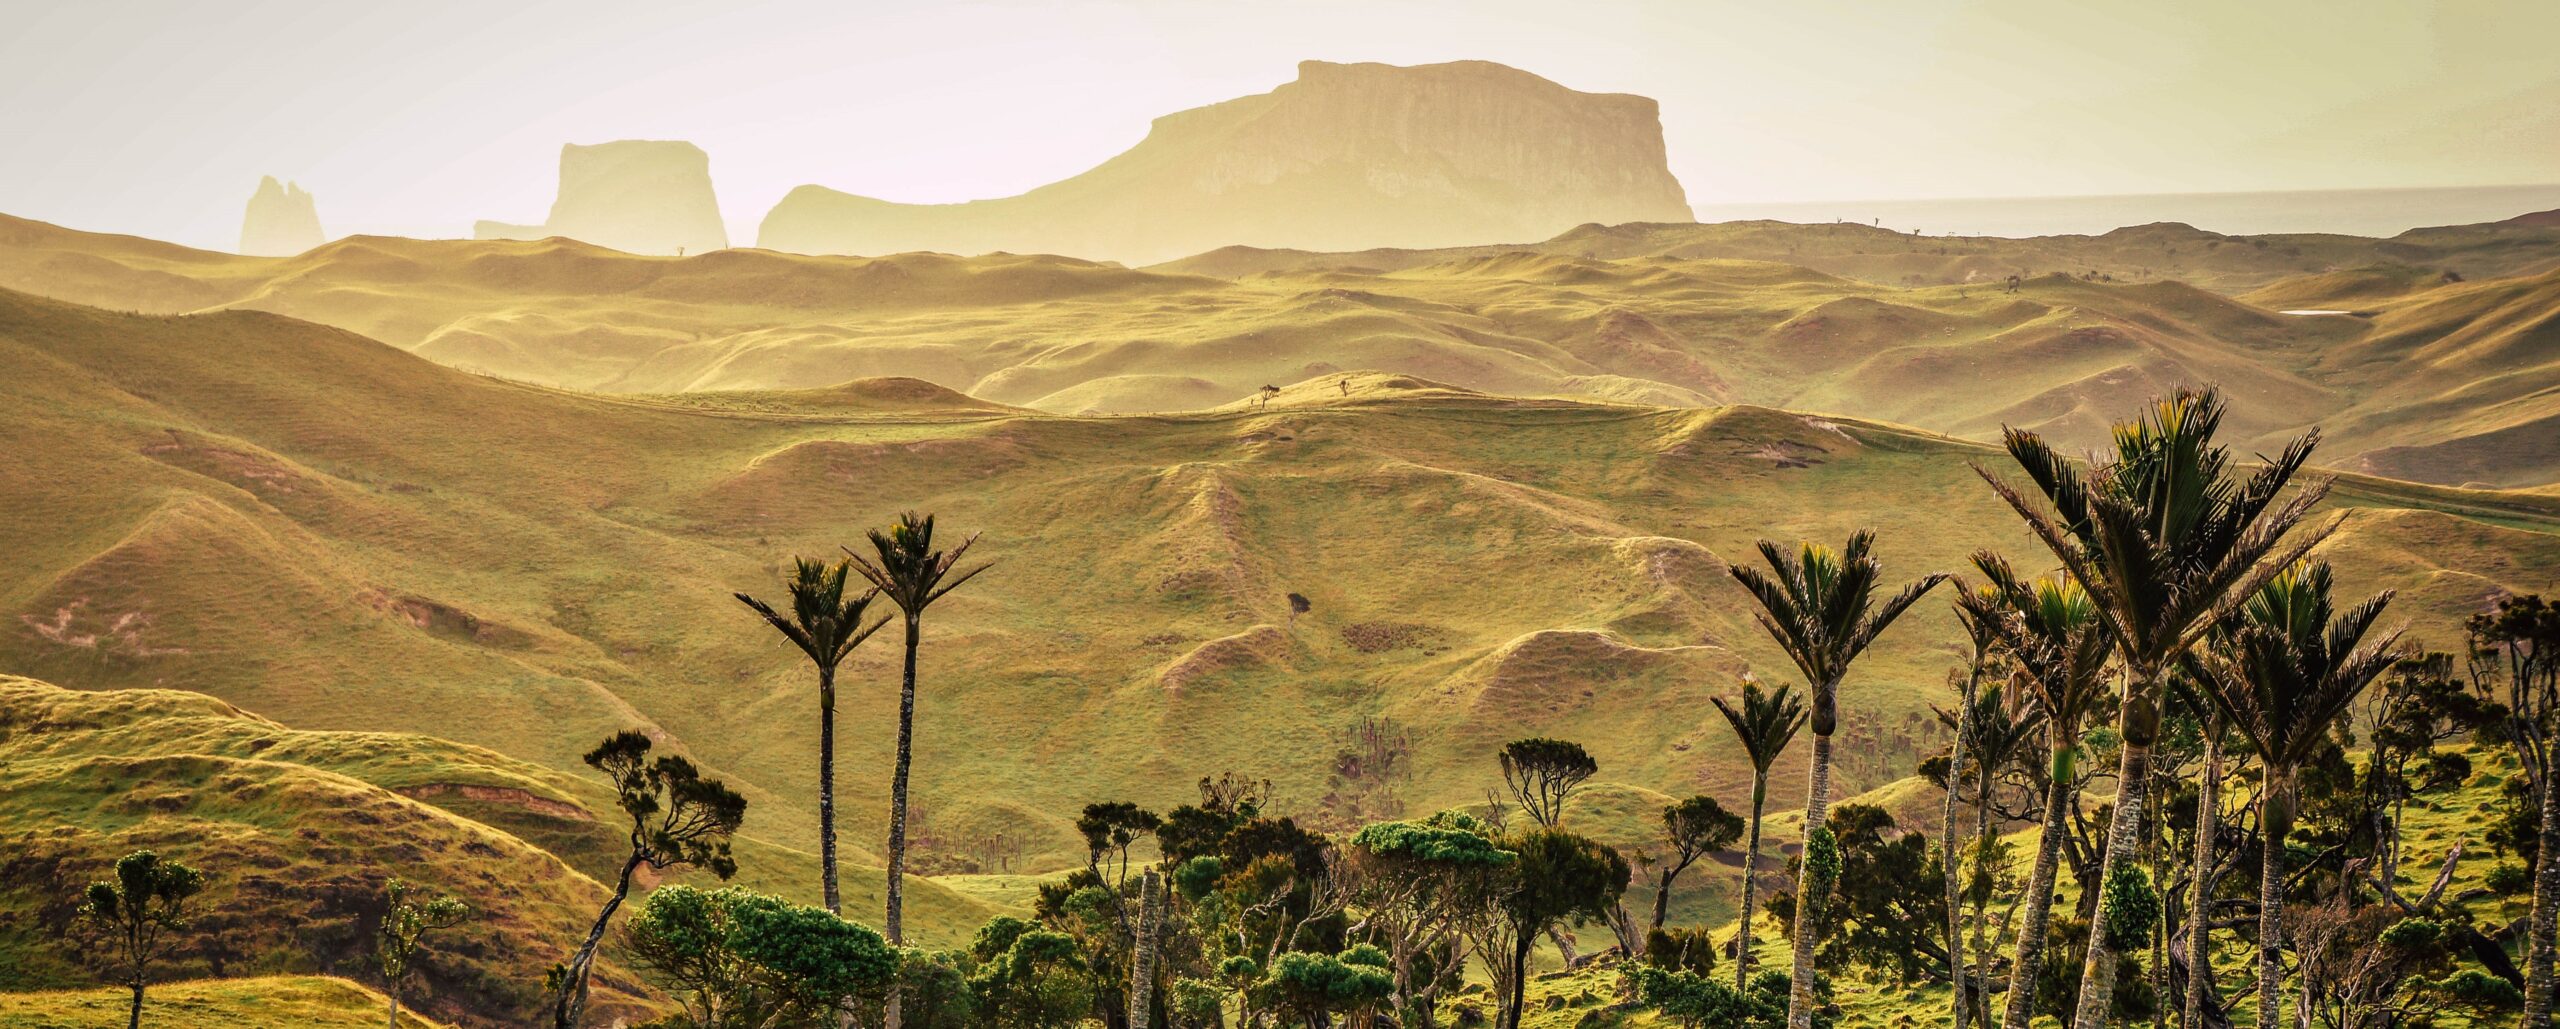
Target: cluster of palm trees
826, 622
2177, 571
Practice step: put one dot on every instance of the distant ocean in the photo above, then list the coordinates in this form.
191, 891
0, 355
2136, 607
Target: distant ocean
2355, 212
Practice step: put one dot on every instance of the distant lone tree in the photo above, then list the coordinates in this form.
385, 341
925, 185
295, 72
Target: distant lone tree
406, 922
677, 818
1262, 397
826, 625
140, 910
1298, 605
912, 575
1542, 773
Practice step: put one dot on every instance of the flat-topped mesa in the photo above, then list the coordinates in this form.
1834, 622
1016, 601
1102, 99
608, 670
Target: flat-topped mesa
638, 196
1348, 156
282, 221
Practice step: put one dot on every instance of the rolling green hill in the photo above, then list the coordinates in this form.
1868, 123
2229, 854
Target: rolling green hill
2436, 362
340, 536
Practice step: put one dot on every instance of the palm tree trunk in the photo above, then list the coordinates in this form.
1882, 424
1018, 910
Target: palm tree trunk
2200, 989
2030, 956
1817, 808
2276, 821
2124, 833
898, 807
2540, 932
1750, 880
827, 788
1948, 851
1981, 915
573, 987
1142, 957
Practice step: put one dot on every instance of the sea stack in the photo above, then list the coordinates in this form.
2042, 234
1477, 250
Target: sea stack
1347, 157
640, 196
282, 221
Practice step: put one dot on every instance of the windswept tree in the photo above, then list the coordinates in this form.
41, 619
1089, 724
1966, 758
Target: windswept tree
2166, 538
1542, 773
826, 625
742, 960
1422, 885
406, 921
1694, 828
2515, 663
906, 569
2057, 651
2284, 676
1819, 605
1764, 724
140, 912
677, 818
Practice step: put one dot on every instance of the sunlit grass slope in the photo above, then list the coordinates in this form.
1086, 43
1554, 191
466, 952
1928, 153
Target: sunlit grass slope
261, 1002
2436, 364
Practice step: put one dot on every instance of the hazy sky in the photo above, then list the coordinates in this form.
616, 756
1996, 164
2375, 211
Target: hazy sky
416, 118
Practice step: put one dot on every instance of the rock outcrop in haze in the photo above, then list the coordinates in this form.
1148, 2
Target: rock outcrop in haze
635, 195
1346, 157
282, 221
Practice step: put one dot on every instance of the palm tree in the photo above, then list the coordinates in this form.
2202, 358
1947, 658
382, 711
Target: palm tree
826, 625
2057, 651
2003, 728
1820, 608
1977, 627
2165, 538
1765, 724
2286, 671
912, 575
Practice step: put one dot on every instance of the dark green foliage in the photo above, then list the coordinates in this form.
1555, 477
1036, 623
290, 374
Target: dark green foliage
1029, 977
1193, 879
1559, 878
2516, 824
2476, 989
1316, 987
2131, 908
1690, 999
1690, 950
1888, 903
933, 990
1450, 838
2508, 879
745, 960
1542, 773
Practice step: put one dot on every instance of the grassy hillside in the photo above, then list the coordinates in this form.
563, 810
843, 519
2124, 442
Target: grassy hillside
337, 535
298, 829
260, 1002
2437, 366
